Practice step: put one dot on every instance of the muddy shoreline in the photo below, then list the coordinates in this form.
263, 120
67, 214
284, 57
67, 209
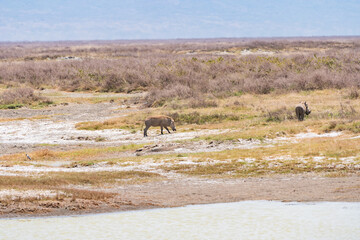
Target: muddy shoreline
189, 191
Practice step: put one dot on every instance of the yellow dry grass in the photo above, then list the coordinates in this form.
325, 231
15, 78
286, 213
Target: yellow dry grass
258, 117
54, 180
39, 117
61, 97
262, 113
72, 155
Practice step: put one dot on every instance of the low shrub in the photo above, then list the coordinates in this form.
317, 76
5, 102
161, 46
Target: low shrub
280, 114
351, 126
167, 72
202, 103
17, 97
353, 94
197, 118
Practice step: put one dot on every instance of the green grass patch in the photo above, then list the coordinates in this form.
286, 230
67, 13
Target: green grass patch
11, 106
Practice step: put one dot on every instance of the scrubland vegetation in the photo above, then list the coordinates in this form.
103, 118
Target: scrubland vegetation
18, 97
200, 70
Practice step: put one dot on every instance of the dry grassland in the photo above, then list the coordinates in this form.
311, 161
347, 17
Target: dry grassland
247, 90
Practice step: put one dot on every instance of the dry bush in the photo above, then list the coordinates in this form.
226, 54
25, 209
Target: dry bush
348, 125
347, 111
353, 93
43, 154
201, 103
280, 114
197, 118
19, 95
167, 71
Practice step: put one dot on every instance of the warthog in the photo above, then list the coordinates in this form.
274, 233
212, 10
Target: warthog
301, 110
161, 121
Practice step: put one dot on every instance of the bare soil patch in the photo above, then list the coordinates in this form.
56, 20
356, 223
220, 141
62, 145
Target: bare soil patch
186, 191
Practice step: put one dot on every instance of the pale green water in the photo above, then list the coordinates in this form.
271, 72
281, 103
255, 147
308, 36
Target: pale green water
241, 220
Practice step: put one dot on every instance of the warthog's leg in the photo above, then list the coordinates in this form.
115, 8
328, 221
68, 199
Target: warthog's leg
167, 129
299, 113
145, 131
161, 129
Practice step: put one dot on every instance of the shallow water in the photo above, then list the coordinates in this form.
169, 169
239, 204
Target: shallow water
241, 220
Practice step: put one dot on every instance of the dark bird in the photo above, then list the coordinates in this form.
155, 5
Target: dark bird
28, 157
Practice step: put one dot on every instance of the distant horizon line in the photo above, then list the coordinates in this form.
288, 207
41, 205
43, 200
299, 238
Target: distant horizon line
189, 39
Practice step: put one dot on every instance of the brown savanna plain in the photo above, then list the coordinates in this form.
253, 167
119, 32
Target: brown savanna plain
233, 101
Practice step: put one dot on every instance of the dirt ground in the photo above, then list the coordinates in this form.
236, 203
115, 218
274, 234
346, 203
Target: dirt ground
187, 191
55, 130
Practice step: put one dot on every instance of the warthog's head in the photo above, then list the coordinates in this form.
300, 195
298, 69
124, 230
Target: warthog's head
172, 124
307, 110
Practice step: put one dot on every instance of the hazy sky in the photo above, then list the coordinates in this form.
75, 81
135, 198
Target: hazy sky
31, 20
